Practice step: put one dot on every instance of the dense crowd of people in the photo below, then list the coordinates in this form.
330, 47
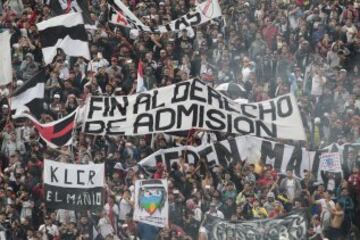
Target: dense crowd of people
310, 48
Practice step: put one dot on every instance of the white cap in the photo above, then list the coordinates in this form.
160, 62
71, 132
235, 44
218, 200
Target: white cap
19, 83
56, 95
317, 120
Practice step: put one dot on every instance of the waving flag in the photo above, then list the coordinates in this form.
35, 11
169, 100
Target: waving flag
30, 96
56, 134
140, 86
66, 32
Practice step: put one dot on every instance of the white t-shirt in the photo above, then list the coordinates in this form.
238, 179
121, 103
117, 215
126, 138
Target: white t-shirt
105, 227
317, 85
245, 74
125, 208
115, 209
290, 186
324, 206
197, 214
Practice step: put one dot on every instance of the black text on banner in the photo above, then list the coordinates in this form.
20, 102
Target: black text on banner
188, 105
243, 148
73, 186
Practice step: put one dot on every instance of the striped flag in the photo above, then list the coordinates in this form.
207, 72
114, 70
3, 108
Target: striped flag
56, 134
30, 96
66, 32
140, 86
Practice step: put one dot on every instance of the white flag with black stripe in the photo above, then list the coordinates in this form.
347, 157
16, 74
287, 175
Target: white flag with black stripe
66, 32
30, 96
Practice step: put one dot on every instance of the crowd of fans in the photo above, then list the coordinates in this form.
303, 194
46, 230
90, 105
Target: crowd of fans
310, 48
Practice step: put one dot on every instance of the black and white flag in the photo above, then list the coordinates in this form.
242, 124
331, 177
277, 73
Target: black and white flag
66, 32
120, 14
71, 6
73, 186
30, 96
242, 148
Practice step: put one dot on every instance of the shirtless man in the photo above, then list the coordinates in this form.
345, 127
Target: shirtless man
337, 219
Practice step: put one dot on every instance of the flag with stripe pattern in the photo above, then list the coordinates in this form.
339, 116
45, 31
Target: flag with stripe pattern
30, 96
56, 134
66, 32
140, 85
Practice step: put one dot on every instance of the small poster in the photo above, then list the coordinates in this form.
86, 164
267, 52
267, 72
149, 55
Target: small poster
151, 202
330, 162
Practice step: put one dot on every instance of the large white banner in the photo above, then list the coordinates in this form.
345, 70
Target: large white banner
243, 148
191, 105
5, 58
73, 186
333, 158
151, 202
120, 14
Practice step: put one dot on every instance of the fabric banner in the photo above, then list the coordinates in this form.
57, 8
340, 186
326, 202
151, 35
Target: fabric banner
73, 186
243, 148
290, 227
30, 96
56, 134
330, 162
5, 59
151, 202
66, 32
348, 154
120, 14
191, 105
